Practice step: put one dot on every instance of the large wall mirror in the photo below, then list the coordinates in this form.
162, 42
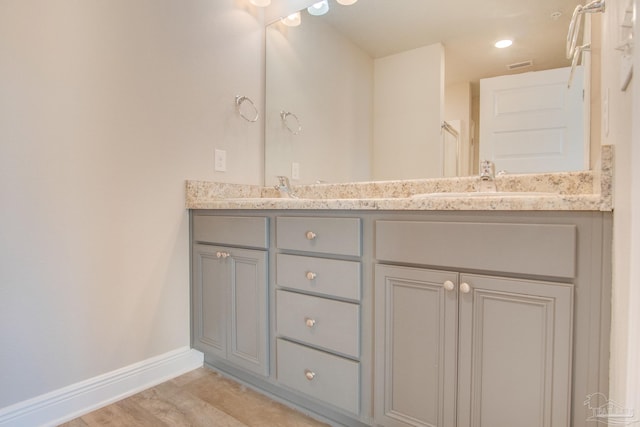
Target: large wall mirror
391, 89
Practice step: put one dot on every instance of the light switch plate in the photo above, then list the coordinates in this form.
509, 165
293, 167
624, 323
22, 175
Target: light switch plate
295, 170
220, 160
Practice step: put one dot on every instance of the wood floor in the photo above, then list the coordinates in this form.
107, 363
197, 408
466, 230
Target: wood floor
198, 398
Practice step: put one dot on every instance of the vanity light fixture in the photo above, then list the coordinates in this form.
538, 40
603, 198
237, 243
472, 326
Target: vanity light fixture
292, 20
319, 8
346, 2
260, 3
503, 43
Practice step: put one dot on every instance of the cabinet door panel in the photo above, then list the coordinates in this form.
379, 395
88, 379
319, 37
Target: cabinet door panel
415, 365
249, 320
210, 300
515, 353
230, 319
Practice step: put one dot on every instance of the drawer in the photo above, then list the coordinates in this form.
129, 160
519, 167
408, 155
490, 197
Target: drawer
318, 275
532, 249
323, 376
339, 236
332, 325
231, 230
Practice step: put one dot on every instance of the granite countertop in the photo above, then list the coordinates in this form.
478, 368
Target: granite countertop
563, 191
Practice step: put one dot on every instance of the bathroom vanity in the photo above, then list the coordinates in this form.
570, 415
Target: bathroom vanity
406, 317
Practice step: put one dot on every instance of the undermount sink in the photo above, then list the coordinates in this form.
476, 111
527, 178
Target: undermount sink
474, 194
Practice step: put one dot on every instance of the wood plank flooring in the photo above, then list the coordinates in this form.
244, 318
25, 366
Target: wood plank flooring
199, 398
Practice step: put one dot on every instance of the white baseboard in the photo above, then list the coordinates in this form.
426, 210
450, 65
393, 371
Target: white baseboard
70, 402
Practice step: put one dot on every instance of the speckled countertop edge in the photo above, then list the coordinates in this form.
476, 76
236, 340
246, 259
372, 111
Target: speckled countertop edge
577, 191
551, 203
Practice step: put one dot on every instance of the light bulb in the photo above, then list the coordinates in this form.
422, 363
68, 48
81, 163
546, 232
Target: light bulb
346, 2
292, 20
503, 43
319, 8
260, 3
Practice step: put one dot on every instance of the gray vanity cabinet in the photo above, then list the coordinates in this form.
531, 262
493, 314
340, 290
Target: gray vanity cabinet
456, 349
398, 319
230, 293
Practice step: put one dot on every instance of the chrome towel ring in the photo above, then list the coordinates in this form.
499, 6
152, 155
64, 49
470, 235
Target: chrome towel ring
291, 122
240, 100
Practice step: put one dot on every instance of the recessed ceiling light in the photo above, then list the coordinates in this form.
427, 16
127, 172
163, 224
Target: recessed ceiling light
292, 20
319, 8
346, 2
503, 43
260, 3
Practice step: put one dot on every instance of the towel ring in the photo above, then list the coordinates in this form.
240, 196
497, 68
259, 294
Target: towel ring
286, 116
241, 100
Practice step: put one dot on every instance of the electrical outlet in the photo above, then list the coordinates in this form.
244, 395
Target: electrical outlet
220, 160
295, 170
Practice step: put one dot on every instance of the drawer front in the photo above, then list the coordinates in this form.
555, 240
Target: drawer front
324, 376
533, 249
339, 236
318, 275
332, 325
231, 230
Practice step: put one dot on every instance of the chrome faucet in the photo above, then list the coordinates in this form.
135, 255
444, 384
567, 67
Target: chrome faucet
487, 177
284, 187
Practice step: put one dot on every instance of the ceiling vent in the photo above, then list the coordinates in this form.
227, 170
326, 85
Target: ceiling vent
520, 65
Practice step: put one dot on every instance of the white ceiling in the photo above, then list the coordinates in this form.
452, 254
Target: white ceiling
467, 28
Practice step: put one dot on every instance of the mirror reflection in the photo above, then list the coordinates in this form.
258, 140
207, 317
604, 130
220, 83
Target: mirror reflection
408, 89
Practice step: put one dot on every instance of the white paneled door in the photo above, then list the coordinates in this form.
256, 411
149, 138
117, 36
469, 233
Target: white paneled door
532, 122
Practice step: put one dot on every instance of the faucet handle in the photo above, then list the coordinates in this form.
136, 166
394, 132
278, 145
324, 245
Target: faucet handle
283, 180
285, 187
487, 169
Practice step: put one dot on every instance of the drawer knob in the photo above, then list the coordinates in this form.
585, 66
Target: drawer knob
449, 285
310, 235
309, 322
223, 255
311, 275
309, 374
465, 288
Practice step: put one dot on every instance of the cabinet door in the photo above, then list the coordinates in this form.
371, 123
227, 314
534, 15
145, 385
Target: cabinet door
415, 343
248, 319
515, 352
230, 305
209, 300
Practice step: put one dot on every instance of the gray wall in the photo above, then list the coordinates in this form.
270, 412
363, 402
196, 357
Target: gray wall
106, 107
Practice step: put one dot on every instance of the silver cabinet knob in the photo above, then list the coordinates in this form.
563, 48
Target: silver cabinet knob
310, 375
465, 288
310, 235
309, 322
449, 285
223, 255
311, 275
